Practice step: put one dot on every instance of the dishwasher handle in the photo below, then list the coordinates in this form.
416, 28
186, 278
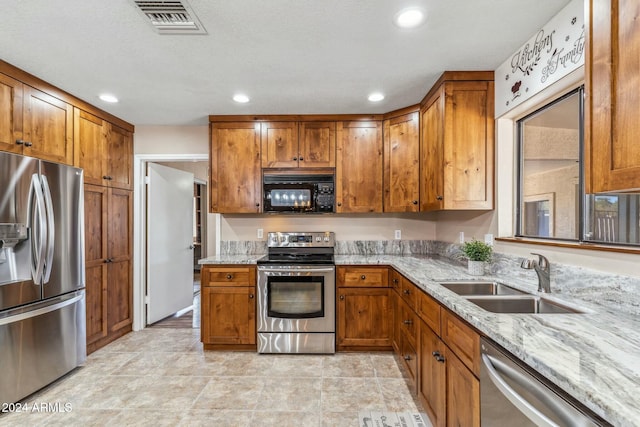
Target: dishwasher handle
517, 400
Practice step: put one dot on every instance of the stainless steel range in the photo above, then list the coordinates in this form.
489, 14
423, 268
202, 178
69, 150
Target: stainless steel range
296, 294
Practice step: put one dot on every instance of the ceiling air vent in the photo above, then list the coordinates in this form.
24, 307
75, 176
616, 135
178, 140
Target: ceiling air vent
171, 17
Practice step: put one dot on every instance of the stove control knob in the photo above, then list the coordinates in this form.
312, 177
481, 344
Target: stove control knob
318, 239
326, 238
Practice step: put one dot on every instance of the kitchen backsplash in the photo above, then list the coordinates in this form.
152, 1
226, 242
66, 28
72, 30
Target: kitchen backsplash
615, 292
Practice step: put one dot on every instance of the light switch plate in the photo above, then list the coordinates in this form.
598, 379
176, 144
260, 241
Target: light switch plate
260, 233
488, 239
398, 234
461, 237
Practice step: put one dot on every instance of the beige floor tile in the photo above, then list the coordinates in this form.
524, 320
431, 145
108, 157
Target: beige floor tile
351, 394
385, 366
286, 419
146, 418
174, 393
302, 365
240, 393
147, 363
290, 394
397, 396
339, 419
348, 365
217, 418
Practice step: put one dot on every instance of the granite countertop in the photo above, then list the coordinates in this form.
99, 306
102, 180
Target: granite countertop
595, 356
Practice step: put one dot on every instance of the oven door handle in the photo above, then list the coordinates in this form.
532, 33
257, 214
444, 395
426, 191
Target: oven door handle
290, 270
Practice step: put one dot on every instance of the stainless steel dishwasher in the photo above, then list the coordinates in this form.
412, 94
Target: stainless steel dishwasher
513, 395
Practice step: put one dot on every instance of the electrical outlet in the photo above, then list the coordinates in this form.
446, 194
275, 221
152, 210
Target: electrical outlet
398, 234
260, 233
462, 237
488, 239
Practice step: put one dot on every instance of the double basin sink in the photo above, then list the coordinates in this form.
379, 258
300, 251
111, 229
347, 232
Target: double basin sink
500, 298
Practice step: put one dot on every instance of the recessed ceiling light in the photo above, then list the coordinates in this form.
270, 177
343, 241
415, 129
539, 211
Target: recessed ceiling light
241, 98
409, 18
376, 97
108, 98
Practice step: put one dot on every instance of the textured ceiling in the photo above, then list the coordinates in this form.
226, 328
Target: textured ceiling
289, 56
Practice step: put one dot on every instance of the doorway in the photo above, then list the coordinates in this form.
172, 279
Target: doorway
140, 223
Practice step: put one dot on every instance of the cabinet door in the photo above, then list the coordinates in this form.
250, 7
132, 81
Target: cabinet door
120, 154
90, 140
317, 146
468, 147
48, 127
359, 167
401, 164
228, 315
119, 287
431, 154
363, 317
10, 114
431, 384
463, 393
279, 142
95, 231
612, 155
235, 168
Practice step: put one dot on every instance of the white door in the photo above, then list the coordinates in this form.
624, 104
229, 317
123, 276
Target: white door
169, 241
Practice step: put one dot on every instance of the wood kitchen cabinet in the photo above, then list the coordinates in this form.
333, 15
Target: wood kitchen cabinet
103, 150
612, 106
432, 382
236, 177
108, 260
457, 143
228, 313
363, 308
35, 123
359, 166
401, 136
298, 144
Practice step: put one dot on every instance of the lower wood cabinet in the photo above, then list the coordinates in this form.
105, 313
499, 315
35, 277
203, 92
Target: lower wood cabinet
463, 393
363, 309
432, 382
108, 263
228, 314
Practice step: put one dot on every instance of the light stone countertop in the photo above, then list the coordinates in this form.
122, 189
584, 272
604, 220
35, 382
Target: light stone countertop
595, 357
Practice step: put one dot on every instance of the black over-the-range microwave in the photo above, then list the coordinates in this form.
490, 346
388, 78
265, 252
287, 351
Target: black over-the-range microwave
298, 193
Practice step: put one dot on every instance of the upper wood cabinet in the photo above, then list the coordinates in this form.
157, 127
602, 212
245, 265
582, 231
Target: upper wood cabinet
103, 150
401, 163
10, 114
457, 144
612, 155
359, 166
235, 168
34, 123
298, 144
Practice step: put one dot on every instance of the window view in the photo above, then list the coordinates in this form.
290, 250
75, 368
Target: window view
550, 170
551, 202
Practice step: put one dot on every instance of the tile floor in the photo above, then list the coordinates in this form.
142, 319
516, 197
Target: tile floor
162, 377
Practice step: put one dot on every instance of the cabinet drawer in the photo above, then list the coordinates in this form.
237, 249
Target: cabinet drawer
408, 323
429, 311
363, 277
409, 293
463, 340
228, 276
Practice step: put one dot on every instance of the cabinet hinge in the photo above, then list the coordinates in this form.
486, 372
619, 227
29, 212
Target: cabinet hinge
146, 180
147, 300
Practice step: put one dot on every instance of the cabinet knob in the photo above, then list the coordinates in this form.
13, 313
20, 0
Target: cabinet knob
301, 159
107, 177
257, 205
250, 296
395, 281
408, 322
295, 159
407, 357
363, 277
19, 141
439, 198
415, 202
229, 276
339, 203
28, 144
341, 297
438, 356
406, 291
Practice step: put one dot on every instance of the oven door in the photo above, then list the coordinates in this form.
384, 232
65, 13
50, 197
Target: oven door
296, 298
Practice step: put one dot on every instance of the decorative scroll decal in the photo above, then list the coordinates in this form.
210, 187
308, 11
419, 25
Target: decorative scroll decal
552, 53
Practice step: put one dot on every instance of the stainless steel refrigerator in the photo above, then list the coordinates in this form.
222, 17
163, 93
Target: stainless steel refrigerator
42, 278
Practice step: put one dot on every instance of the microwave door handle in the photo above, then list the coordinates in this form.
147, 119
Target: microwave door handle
36, 225
51, 229
516, 399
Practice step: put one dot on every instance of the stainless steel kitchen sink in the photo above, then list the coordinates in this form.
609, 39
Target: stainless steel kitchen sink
520, 304
476, 287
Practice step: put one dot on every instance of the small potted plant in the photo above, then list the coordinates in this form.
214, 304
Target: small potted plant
478, 253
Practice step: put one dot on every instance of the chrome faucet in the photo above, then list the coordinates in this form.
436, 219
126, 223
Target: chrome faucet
542, 268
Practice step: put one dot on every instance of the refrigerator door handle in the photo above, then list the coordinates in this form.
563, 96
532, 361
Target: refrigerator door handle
44, 309
51, 230
37, 228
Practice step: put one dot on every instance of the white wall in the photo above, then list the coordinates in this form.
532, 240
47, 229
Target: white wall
171, 140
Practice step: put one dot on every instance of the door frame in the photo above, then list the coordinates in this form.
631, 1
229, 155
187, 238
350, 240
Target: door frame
140, 226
